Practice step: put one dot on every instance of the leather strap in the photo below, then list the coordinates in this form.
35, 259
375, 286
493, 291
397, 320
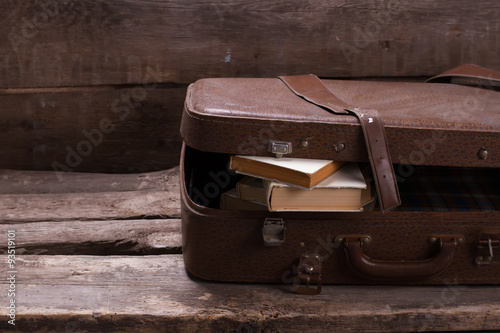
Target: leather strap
313, 90
468, 71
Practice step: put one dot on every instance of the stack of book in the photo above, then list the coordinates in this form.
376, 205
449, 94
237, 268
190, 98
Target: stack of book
292, 184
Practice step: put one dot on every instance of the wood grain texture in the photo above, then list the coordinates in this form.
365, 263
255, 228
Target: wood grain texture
39, 196
21, 208
42, 182
154, 293
75, 43
102, 129
125, 237
89, 210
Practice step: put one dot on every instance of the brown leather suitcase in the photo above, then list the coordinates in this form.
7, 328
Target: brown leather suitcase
421, 140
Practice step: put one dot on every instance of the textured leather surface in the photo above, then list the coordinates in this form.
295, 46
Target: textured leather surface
468, 71
312, 89
433, 124
228, 246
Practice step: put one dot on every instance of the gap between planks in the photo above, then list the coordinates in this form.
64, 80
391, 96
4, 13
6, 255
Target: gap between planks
125, 237
93, 214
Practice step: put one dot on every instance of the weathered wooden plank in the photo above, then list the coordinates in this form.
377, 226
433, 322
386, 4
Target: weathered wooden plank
103, 129
132, 237
48, 43
154, 293
40, 182
32, 196
21, 208
40, 196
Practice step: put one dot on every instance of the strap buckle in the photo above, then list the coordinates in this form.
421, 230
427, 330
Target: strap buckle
310, 88
309, 273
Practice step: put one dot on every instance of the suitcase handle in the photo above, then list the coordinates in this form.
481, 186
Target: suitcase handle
401, 271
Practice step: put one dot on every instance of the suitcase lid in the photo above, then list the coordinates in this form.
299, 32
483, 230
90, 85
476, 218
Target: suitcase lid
425, 123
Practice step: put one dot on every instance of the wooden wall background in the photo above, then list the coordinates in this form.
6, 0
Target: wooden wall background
67, 67
99, 85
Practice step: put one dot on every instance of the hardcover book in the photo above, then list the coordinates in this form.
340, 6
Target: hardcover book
296, 171
345, 190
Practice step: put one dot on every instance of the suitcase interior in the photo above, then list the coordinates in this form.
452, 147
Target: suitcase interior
422, 188
228, 246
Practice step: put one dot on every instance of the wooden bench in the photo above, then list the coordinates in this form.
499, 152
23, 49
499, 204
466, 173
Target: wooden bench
100, 252
98, 87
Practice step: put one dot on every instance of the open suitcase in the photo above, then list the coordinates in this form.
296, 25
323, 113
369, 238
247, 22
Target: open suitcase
434, 152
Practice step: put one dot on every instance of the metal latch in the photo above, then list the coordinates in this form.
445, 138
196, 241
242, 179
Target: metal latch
273, 232
280, 148
488, 242
308, 275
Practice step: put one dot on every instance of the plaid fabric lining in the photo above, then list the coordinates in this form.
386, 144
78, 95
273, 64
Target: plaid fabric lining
444, 189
